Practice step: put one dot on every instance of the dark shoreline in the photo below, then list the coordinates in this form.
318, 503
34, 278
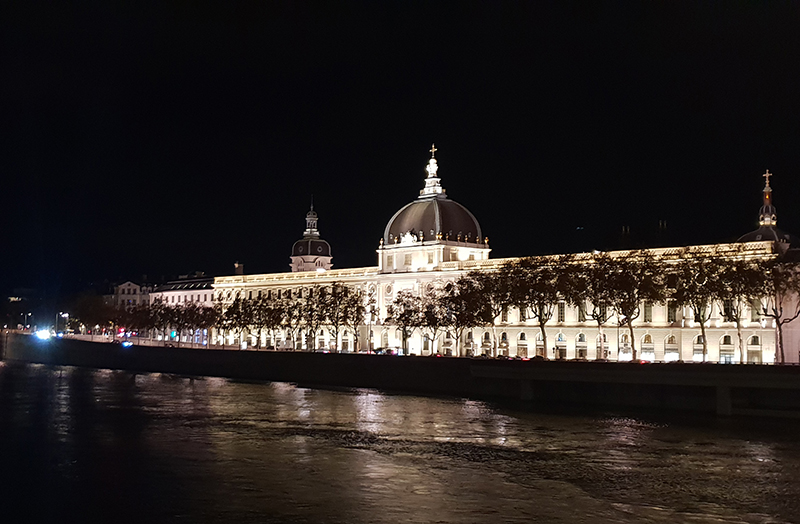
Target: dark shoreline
712, 388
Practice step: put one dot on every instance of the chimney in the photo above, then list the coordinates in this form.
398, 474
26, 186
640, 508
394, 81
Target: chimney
238, 268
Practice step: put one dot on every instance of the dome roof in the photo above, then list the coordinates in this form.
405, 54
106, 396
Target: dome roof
431, 216
768, 222
312, 247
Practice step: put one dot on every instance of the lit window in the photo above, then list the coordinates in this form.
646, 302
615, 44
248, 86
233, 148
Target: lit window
755, 311
672, 312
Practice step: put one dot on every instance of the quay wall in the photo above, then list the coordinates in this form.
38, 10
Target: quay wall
711, 388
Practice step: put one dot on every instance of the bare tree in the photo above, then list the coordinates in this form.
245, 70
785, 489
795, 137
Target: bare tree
292, 320
495, 288
464, 306
314, 313
590, 291
742, 282
267, 315
699, 286
334, 301
636, 278
781, 300
434, 316
354, 310
537, 284
405, 313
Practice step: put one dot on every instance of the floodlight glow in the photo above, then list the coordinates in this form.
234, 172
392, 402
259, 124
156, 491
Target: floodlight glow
43, 334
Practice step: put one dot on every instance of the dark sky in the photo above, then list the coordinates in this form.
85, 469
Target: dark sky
173, 137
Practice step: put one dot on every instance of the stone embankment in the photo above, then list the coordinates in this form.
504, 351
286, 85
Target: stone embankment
711, 388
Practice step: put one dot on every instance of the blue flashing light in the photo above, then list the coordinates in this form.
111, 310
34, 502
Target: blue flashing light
127, 344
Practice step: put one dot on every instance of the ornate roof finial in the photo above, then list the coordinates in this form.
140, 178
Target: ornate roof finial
433, 150
312, 201
767, 214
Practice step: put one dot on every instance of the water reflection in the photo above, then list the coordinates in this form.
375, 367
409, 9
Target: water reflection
149, 447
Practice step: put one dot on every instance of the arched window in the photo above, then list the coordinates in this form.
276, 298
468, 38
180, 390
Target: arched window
754, 341
469, 336
561, 338
699, 339
503, 337
581, 338
624, 339
726, 340
522, 337
486, 337
647, 339
671, 339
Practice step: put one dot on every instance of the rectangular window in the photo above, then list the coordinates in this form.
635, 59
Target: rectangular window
504, 315
430, 257
582, 312
672, 312
407, 260
390, 260
755, 311
561, 309
472, 256
205, 297
648, 311
727, 310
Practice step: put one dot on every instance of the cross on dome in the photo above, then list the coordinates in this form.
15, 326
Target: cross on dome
433, 150
767, 175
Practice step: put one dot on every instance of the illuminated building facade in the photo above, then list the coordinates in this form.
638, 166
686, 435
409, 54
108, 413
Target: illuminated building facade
434, 240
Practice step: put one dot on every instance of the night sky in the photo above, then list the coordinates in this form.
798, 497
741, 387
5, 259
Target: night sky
173, 138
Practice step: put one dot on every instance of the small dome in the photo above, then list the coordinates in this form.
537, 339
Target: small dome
772, 234
312, 247
767, 219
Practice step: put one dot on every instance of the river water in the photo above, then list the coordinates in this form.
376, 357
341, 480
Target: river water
79, 445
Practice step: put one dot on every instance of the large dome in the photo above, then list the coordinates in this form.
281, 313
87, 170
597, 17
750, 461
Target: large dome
431, 216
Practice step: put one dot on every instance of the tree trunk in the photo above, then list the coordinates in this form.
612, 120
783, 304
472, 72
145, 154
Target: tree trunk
703, 334
544, 339
742, 356
780, 344
633, 345
602, 351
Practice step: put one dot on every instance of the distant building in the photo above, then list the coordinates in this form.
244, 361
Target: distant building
196, 288
128, 294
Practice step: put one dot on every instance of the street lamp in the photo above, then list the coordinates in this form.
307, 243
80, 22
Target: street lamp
62, 315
